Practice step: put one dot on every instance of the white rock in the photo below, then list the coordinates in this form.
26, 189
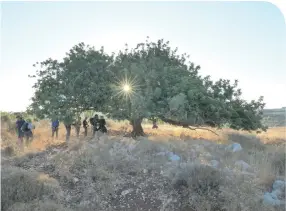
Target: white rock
125, 192
279, 184
270, 199
173, 157
214, 163
242, 165
236, 147
161, 153
145, 171
75, 179
275, 194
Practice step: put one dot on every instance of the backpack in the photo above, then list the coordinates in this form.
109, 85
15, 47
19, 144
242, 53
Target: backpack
30, 126
25, 126
91, 121
55, 124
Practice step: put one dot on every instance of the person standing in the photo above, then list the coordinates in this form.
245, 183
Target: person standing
102, 123
85, 126
27, 128
155, 126
55, 127
68, 129
95, 124
19, 123
77, 125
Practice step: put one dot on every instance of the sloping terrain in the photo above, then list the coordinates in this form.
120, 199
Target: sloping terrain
275, 117
117, 173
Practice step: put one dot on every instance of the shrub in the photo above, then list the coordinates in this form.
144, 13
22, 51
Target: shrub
279, 162
18, 185
247, 141
202, 184
8, 151
38, 206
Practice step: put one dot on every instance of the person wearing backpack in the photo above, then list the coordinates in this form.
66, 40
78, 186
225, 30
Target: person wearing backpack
27, 128
19, 123
101, 125
95, 124
55, 127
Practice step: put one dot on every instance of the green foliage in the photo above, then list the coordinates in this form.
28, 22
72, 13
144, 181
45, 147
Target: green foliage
163, 84
67, 88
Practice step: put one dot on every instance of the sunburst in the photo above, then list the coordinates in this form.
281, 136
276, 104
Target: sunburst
126, 87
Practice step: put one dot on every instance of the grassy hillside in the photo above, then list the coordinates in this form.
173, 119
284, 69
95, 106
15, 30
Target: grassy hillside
112, 172
275, 117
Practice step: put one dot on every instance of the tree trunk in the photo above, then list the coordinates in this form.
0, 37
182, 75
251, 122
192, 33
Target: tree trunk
137, 128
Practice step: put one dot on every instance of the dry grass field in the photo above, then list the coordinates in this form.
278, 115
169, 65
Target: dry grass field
112, 172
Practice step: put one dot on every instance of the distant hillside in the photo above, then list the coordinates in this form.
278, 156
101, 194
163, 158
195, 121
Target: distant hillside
275, 117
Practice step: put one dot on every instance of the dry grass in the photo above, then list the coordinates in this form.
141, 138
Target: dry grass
43, 138
98, 173
20, 186
37, 206
272, 136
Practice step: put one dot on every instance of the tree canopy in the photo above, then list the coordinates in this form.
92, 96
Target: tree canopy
161, 84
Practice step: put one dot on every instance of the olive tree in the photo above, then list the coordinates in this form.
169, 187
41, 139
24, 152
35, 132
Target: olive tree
149, 81
164, 85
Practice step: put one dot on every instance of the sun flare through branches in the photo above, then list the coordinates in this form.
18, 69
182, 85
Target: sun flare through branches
126, 87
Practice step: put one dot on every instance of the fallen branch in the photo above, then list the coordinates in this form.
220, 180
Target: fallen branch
185, 125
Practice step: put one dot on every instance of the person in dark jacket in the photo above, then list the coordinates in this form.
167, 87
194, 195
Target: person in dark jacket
55, 127
85, 126
19, 123
68, 129
95, 123
101, 125
27, 128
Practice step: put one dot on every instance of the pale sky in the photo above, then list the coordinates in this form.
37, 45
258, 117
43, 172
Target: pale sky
232, 40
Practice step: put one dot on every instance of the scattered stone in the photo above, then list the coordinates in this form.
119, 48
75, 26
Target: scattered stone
279, 184
214, 163
75, 179
125, 192
271, 199
173, 157
277, 195
243, 166
236, 147
161, 153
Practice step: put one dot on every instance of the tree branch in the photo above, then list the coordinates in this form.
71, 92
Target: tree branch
184, 124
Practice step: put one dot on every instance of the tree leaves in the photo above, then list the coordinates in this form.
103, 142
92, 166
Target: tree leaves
164, 84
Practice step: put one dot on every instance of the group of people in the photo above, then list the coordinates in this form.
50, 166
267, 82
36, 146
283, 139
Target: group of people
98, 124
24, 129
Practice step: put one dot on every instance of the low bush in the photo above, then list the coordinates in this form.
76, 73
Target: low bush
18, 185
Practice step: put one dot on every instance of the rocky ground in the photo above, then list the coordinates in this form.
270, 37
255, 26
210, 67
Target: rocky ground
116, 173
